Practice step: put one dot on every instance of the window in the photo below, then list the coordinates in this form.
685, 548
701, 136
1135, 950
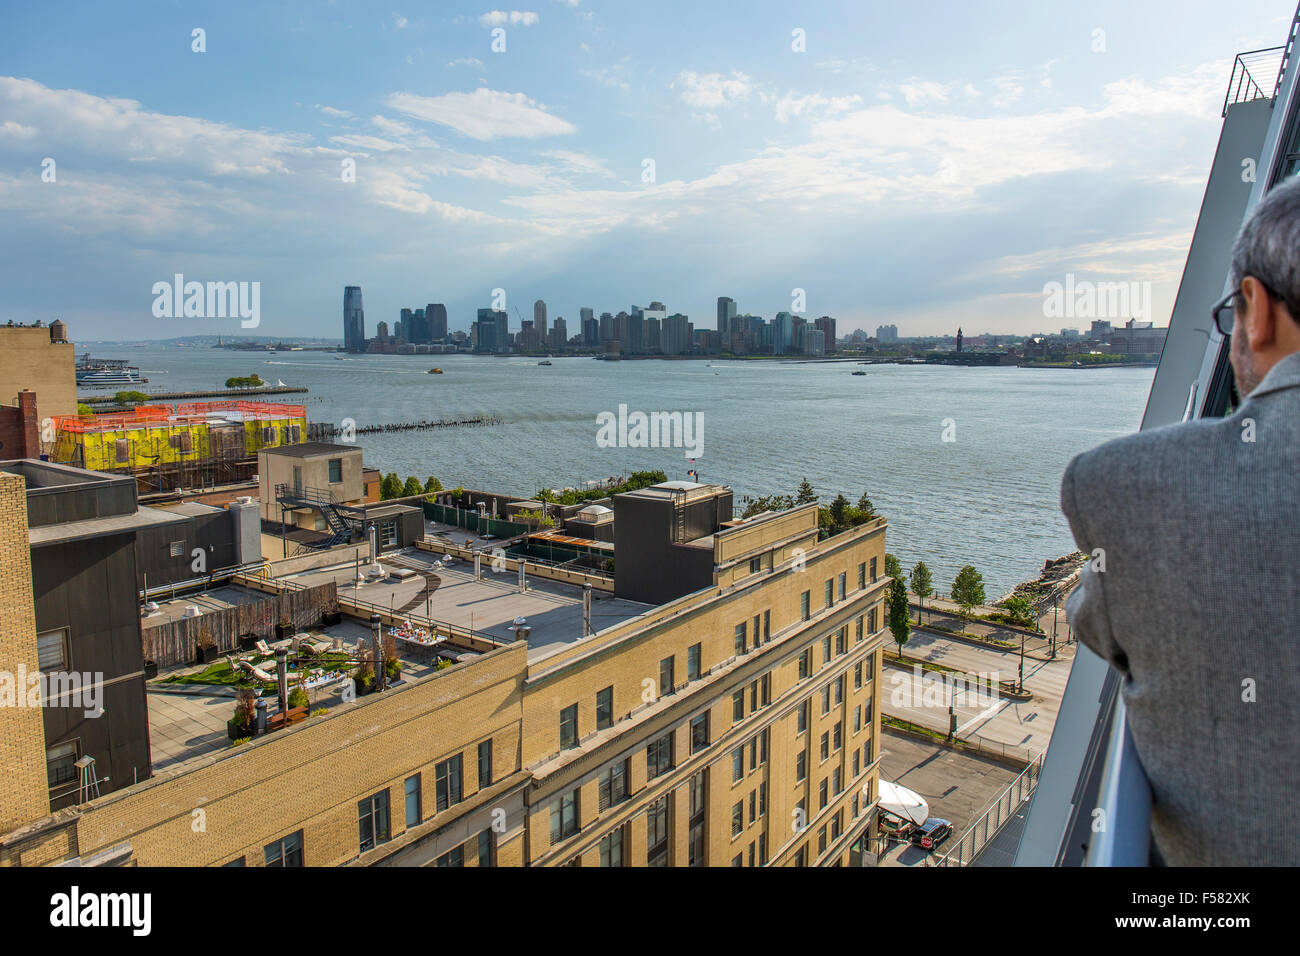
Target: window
485, 763
837, 824
826, 700
453, 857
839, 690
753, 696
862, 575
873, 569
826, 746
871, 620
176, 549
695, 844
800, 766
605, 708
738, 860
287, 851
755, 565
611, 785
611, 848
858, 636
52, 650
751, 854
372, 820
699, 732
826, 649
762, 798
738, 819
837, 735
842, 581
446, 784
762, 849
388, 534
857, 768
487, 849
804, 604
801, 856
336, 470
821, 841
60, 763
857, 718
837, 781
857, 676
740, 639
564, 816
805, 663
804, 708
693, 662
237, 861
569, 727
656, 823
659, 757
767, 626
830, 592
738, 764
738, 706
413, 809
762, 746
666, 676
871, 667
765, 685
822, 795
842, 640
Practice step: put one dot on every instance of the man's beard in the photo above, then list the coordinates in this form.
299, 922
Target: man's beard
1243, 366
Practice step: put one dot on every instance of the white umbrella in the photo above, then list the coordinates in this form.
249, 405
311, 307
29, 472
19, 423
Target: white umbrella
903, 803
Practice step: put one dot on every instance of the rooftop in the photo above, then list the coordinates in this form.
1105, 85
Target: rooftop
488, 606
311, 449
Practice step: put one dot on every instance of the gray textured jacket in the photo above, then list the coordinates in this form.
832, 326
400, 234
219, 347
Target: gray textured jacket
1198, 607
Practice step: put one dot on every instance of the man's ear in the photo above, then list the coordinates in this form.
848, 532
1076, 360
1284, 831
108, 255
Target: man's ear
1258, 314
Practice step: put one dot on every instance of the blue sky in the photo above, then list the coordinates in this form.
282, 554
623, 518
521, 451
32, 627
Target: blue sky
927, 165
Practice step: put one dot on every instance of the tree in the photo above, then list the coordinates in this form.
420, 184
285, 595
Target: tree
390, 486
922, 585
968, 589
1019, 610
432, 486
839, 512
84, 409
805, 494
900, 624
412, 488
768, 503
866, 509
130, 397
893, 568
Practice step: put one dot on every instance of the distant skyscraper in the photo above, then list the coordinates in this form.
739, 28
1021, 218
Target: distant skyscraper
726, 312
827, 326
590, 330
782, 333
607, 329
492, 331
354, 320
559, 334
539, 318
435, 313
886, 333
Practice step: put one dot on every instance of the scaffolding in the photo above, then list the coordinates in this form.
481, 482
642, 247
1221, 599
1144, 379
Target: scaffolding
193, 445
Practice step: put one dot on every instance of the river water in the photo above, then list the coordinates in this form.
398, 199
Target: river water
987, 497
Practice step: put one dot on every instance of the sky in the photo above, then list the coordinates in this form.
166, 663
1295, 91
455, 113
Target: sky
926, 165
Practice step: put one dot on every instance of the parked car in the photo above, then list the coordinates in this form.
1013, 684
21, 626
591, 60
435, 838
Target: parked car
931, 834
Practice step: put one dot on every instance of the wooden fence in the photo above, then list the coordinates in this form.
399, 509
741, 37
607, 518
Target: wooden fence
174, 642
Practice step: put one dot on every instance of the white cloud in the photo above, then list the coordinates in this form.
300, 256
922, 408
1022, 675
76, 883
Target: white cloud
332, 111
467, 61
710, 91
791, 105
517, 18
580, 162
400, 21
484, 114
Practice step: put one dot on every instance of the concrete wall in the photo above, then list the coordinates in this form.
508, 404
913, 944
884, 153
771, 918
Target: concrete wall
28, 359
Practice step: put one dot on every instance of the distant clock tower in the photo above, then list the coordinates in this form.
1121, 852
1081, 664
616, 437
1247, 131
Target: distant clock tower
959, 338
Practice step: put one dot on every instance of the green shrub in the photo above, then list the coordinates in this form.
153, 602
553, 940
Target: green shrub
298, 698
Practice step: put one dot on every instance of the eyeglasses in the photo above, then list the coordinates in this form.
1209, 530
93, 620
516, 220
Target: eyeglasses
1226, 307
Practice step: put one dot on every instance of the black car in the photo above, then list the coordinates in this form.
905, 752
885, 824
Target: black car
931, 834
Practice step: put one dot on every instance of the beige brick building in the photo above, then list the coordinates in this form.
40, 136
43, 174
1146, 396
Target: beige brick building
738, 724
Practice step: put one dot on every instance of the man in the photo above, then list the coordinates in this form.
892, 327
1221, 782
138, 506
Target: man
1193, 593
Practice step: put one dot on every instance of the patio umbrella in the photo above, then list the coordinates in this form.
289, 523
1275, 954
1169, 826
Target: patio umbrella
903, 803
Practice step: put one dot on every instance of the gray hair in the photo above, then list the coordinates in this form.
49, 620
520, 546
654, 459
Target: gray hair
1268, 246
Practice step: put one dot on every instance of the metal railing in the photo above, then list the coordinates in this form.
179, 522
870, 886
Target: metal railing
983, 830
1123, 836
1243, 85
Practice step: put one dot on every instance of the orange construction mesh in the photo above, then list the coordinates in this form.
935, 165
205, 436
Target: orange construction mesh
248, 409
140, 415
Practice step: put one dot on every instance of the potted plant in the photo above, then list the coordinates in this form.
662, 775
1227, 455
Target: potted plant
205, 648
242, 724
285, 628
150, 669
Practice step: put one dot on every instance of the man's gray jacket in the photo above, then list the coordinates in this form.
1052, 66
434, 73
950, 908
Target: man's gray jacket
1193, 596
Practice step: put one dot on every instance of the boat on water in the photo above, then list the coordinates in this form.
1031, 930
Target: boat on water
95, 372
859, 372
435, 371
544, 363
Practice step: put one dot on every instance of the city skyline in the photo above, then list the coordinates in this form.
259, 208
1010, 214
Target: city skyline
861, 168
